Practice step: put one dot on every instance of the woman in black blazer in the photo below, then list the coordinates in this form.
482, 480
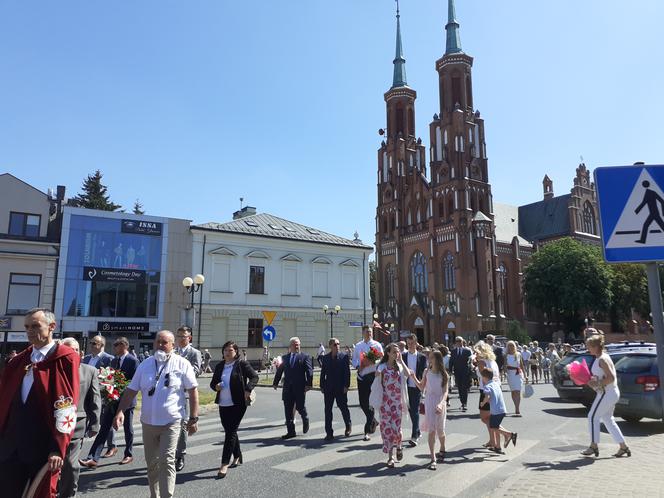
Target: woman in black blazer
233, 379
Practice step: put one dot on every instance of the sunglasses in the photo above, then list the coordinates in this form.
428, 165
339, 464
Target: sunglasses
95, 343
167, 383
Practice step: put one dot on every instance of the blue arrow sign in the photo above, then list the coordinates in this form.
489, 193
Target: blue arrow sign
269, 333
631, 202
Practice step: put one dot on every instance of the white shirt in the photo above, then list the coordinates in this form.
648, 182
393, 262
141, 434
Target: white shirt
36, 356
225, 398
167, 404
94, 359
411, 361
363, 347
525, 354
321, 350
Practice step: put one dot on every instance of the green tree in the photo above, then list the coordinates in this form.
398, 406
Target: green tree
138, 207
629, 286
516, 332
372, 284
94, 195
566, 278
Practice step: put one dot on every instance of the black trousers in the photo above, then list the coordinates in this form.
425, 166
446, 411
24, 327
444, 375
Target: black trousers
294, 398
342, 403
106, 425
414, 397
231, 416
463, 385
364, 390
14, 475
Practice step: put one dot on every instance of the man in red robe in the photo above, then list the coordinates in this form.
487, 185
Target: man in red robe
39, 393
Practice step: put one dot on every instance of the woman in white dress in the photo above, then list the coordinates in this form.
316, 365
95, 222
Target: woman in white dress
515, 368
485, 358
434, 384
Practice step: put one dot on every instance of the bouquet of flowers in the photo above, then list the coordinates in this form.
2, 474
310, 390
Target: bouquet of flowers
276, 362
112, 384
370, 357
579, 372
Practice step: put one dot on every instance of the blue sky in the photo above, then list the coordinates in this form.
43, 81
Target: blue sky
189, 106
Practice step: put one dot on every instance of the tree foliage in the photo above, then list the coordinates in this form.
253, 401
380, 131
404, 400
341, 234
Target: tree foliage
138, 207
566, 279
372, 284
516, 332
94, 195
629, 287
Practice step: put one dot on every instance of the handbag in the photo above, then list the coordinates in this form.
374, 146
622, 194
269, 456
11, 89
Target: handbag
422, 408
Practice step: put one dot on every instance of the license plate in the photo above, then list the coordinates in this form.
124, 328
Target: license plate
623, 401
568, 383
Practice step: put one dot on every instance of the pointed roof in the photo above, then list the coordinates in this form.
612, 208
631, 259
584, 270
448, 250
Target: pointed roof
399, 78
453, 45
267, 225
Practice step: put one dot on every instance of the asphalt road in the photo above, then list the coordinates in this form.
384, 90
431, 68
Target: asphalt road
306, 466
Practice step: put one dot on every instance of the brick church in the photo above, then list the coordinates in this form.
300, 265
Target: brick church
450, 261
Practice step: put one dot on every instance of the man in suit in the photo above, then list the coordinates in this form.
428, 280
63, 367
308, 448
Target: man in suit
88, 412
127, 364
417, 363
193, 355
298, 373
460, 368
98, 358
334, 382
39, 393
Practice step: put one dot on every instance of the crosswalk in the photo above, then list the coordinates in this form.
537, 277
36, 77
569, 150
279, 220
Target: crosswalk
351, 460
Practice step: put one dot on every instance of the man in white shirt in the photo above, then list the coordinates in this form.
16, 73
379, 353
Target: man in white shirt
163, 380
366, 372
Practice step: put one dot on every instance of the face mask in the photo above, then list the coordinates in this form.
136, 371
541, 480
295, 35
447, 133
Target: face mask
160, 355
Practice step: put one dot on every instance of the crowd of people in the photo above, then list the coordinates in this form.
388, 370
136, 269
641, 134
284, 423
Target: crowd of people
400, 385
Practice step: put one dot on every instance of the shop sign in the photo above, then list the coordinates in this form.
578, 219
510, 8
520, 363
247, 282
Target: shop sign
123, 326
142, 227
96, 274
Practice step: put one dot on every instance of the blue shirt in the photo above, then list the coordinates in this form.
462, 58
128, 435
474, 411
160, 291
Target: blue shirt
496, 400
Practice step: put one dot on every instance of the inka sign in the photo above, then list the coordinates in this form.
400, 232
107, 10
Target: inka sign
123, 327
631, 203
96, 274
142, 227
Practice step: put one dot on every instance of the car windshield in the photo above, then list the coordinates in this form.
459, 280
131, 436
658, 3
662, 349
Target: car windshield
635, 364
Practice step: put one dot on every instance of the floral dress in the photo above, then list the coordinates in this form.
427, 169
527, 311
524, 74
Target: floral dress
390, 410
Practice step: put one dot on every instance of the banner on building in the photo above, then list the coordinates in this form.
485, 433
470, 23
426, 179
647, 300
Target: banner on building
142, 227
96, 274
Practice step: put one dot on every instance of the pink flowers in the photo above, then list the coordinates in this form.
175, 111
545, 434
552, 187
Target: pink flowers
579, 372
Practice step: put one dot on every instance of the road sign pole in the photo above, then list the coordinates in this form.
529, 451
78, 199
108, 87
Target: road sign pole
655, 294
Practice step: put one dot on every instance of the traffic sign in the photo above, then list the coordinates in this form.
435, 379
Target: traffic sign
269, 333
631, 202
269, 316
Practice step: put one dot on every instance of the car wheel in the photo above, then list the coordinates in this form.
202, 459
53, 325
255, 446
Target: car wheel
632, 420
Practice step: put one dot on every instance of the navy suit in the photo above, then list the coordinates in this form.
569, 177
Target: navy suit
334, 382
414, 394
460, 367
129, 365
297, 377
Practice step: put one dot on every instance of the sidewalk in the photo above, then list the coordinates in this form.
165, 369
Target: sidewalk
574, 475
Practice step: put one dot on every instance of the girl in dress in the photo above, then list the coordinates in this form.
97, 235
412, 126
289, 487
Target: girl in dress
393, 375
515, 369
435, 384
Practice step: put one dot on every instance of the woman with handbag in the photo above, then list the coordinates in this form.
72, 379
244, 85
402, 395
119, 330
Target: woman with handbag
234, 380
515, 367
433, 407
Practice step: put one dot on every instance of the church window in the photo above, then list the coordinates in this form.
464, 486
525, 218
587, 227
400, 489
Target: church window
411, 122
392, 223
449, 273
400, 119
418, 215
456, 91
450, 206
441, 209
418, 274
502, 285
469, 93
389, 281
409, 218
589, 225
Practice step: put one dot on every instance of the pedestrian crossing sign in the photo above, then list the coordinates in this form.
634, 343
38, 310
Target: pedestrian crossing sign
631, 212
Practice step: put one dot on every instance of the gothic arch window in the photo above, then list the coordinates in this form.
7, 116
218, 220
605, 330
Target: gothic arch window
469, 93
449, 273
441, 208
502, 287
589, 225
400, 119
393, 223
409, 218
450, 205
411, 122
385, 227
418, 274
389, 281
418, 214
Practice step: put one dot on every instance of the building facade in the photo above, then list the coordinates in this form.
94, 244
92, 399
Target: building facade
29, 249
262, 263
120, 274
444, 267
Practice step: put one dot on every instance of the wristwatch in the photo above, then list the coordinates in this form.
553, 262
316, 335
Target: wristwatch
193, 420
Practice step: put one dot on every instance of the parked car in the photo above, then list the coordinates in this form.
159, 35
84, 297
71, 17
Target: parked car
640, 392
583, 394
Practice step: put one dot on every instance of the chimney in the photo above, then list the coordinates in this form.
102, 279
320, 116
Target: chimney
547, 184
244, 212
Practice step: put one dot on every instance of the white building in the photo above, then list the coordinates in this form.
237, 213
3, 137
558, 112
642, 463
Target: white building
259, 262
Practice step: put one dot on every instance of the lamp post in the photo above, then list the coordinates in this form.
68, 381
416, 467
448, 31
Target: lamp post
192, 286
331, 312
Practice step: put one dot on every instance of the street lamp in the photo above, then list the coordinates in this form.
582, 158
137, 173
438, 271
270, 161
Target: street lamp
192, 285
331, 312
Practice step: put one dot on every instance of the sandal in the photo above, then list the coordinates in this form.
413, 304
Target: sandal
487, 445
432, 465
390, 463
399, 454
440, 456
622, 452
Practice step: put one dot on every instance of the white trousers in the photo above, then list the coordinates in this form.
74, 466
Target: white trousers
602, 412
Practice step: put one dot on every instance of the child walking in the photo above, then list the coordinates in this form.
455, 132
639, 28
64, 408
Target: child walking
493, 395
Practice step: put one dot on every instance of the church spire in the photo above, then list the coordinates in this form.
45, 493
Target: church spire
399, 78
453, 45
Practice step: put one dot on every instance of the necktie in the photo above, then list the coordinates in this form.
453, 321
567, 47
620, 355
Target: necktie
292, 360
